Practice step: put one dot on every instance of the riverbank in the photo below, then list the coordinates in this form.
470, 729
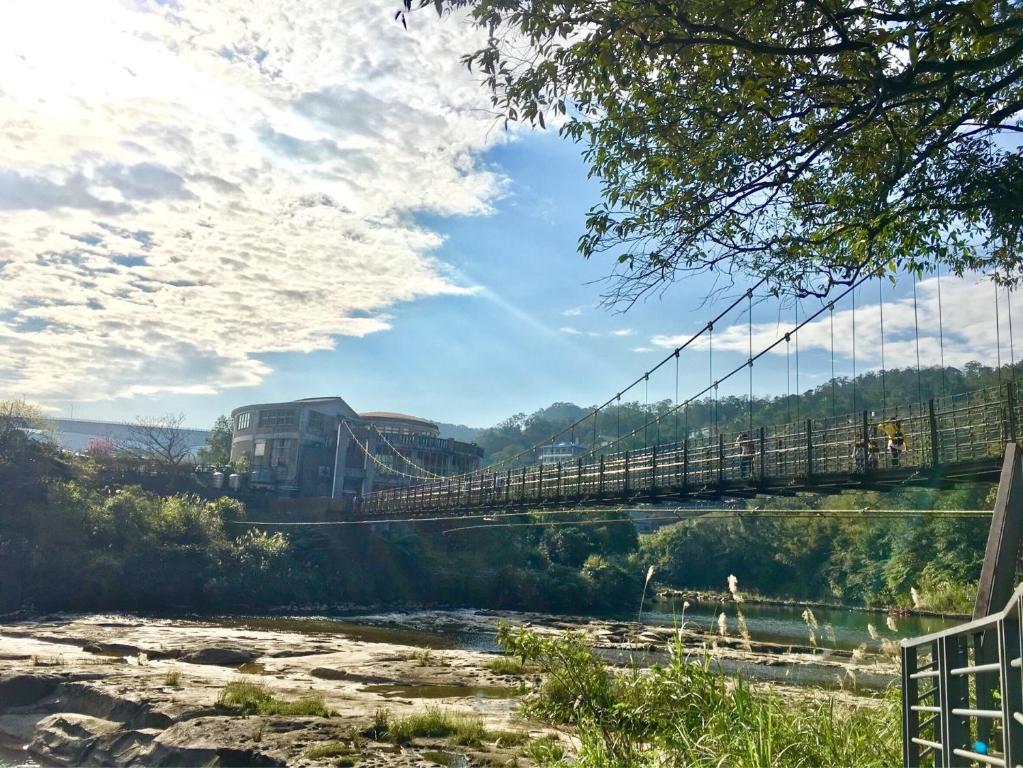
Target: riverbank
117, 690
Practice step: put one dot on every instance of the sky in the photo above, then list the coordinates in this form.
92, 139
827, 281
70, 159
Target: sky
210, 204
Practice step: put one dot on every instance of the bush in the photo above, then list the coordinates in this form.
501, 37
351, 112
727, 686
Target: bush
691, 714
244, 698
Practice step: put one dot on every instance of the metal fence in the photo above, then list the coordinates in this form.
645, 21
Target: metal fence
963, 693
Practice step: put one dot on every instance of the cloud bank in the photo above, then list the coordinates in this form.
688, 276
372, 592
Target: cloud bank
186, 185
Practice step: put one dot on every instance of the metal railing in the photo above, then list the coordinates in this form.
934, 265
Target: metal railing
963, 693
962, 431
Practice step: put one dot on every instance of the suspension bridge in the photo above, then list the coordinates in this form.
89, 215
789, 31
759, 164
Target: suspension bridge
940, 440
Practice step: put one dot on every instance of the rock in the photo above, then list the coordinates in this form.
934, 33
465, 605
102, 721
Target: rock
221, 656
22, 690
326, 673
112, 649
68, 739
213, 741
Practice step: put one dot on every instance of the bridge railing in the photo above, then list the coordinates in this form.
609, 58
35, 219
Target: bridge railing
963, 693
944, 431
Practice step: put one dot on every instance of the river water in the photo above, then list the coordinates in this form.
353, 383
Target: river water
837, 628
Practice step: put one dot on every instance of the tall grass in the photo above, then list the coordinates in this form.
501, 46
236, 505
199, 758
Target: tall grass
244, 698
689, 713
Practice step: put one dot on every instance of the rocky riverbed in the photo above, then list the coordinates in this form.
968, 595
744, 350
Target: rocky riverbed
122, 690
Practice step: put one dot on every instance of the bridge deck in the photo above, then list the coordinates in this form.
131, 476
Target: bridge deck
947, 440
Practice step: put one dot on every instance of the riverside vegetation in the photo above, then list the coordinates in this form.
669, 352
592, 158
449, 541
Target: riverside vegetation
685, 712
69, 541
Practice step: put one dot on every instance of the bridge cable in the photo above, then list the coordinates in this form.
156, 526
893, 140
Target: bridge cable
369, 454
834, 384
788, 380
432, 475
941, 332
712, 410
750, 403
769, 348
796, 334
916, 330
646, 406
675, 401
855, 406
1012, 349
880, 306
998, 337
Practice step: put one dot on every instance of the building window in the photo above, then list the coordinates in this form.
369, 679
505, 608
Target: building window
318, 423
279, 417
260, 449
243, 420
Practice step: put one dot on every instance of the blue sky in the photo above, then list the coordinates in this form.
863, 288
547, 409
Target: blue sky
214, 208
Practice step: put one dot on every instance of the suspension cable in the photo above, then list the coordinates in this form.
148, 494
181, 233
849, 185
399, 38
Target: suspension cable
365, 449
855, 406
916, 330
750, 403
998, 337
403, 457
796, 336
1012, 349
675, 401
834, 384
880, 306
941, 333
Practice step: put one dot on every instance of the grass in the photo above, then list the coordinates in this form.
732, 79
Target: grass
690, 713
509, 665
345, 754
244, 698
460, 729
172, 679
545, 750
425, 658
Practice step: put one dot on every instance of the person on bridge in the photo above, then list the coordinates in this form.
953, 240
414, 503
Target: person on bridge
873, 452
859, 453
896, 440
744, 445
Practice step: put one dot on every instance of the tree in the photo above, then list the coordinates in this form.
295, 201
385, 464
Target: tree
158, 439
217, 450
803, 141
19, 421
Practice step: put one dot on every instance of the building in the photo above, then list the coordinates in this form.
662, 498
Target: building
77, 435
560, 453
322, 447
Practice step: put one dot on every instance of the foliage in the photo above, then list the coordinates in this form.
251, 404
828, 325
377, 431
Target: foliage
802, 141
69, 541
160, 439
657, 422
856, 561
687, 712
217, 450
459, 728
245, 698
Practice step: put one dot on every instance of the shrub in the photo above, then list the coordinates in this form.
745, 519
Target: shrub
244, 698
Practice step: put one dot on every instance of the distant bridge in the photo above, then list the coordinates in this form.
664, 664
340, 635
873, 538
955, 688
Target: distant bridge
947, 440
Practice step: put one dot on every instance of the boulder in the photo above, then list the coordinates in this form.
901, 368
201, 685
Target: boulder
22, 690
67, 738
220, 656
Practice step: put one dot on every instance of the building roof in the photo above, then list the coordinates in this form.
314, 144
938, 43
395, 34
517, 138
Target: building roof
392, 416
335, 400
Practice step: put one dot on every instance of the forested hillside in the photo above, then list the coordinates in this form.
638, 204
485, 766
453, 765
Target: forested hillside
870, 391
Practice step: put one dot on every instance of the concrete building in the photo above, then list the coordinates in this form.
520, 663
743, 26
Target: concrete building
560, 453
322, 447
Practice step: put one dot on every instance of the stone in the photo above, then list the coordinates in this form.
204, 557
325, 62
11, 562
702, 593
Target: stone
23, 690
67, 738
221, 656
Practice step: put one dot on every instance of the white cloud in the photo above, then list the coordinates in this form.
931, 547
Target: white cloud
573, 311
570, 330
186, 186
965, 330
642, 349
622, 332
